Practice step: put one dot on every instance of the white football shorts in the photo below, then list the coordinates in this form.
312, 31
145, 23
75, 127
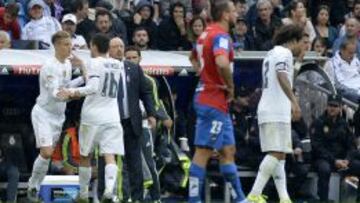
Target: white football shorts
275, 137
47, 127
109, 138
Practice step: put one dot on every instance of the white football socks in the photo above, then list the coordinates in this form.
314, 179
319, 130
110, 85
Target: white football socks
40, 169
279, 177
266, 169
84, 180
110, 179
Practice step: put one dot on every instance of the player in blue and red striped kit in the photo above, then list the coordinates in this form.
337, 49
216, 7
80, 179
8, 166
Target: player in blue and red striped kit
212, 59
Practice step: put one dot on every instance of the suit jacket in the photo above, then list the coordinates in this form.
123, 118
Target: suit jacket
138, 88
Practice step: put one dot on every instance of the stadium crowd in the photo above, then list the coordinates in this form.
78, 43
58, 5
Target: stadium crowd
332, 30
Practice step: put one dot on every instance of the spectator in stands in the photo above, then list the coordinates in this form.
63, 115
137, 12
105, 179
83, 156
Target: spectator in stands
173, 35
4, 40
338, 10
332, 142
118, 26
9, 168
265, 26
351, 32
41, 27
241, 7
141, 39
143, 17
53, 8
9, 21
296, 163
355, 13
241, 39
322, 27
246, 129
84, 25
197, 26
307, 43
166, 8
344, 70
297, 15
69, 25
253, 12
201, 9
319, 45
104, 24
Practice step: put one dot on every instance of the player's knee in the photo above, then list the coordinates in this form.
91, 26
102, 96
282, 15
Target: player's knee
201, 156
46, 153
109, 159
228, 153
85, 161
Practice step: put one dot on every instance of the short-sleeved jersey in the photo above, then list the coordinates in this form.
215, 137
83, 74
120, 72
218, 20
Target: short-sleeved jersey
274, 105
53, 75
102, 107
214, 41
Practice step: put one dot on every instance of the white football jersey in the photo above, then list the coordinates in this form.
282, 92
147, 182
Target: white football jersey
101, 106
53, 75
274, 105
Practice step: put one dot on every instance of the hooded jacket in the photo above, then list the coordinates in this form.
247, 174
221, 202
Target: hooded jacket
148, 24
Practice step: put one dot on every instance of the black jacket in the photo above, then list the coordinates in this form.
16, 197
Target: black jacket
263, 34
170, 38
85, 29
138, 88
148, 24
248, 41
330, 139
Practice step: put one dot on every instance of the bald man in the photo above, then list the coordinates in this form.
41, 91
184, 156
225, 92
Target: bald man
131, 117
116, 49
352, 28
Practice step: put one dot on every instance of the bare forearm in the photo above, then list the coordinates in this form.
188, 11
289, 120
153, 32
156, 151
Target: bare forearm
226, 74
195, 65
286, 86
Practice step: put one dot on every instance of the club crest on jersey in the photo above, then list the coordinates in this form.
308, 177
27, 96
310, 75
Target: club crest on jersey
224, 43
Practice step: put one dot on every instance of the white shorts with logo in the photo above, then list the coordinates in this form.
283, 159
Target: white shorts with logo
275, 137
109, 138
47, 127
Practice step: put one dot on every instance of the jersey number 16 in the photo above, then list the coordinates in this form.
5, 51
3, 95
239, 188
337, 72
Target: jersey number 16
110, 87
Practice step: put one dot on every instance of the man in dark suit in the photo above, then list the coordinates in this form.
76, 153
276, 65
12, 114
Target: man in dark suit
134, 88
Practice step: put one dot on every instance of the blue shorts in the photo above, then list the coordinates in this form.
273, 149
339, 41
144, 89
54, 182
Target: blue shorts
214, 128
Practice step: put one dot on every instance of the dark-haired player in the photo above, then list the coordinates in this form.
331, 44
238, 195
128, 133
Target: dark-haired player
278, 105
100, 118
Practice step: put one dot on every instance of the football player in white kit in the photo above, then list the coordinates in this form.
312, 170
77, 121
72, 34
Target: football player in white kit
100, 118
277, 106
48, 114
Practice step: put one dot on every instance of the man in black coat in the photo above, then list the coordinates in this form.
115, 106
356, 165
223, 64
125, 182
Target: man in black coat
332, 146
265, 26
133, 89
172, 31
